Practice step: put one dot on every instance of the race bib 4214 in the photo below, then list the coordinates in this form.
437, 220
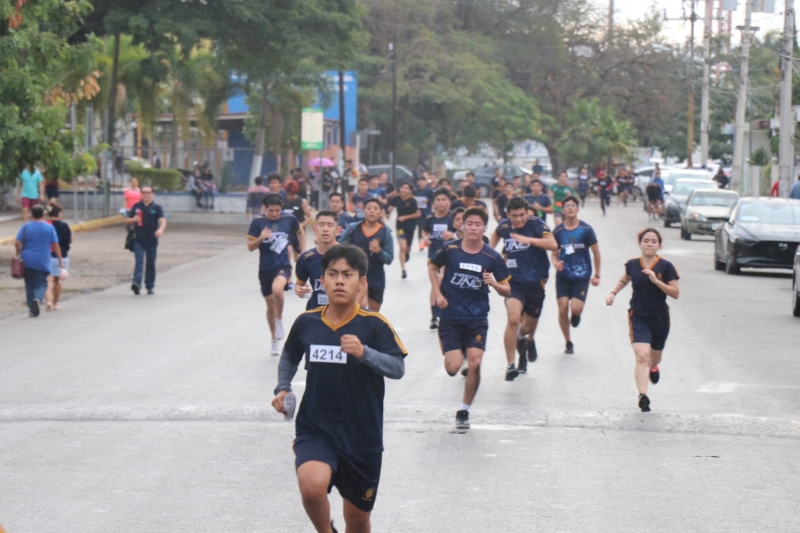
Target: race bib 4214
318, 353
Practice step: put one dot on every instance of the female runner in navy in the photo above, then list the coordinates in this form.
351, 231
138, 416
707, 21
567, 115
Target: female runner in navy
347, 352
653, 279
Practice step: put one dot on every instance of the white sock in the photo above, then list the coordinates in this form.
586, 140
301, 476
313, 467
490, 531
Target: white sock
464, 407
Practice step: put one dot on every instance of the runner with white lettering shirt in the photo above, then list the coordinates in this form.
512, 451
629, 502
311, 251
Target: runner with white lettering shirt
309, 264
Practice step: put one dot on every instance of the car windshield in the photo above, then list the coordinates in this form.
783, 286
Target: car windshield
686, 189
714, 200
769, 213
677, 175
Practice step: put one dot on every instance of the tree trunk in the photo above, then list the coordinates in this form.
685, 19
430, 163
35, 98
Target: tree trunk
173, 160
261, 133
112, 95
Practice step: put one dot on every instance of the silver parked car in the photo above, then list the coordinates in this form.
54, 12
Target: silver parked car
706, 210
796, 284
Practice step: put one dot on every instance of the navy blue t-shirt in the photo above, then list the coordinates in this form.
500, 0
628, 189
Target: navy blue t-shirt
526, 263
309, 270
460, 203
343, 399
647, 298
376, 277
274, 252
345, 219
541, 199
467, 295
359, 202
148, 216
573, 250
434, 226
64, 238
424, 198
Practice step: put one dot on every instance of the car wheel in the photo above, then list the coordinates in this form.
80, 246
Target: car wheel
718, 265
667, 223
687, 236
795, 298
730, 266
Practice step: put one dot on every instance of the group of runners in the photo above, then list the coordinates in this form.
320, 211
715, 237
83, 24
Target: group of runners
348, 348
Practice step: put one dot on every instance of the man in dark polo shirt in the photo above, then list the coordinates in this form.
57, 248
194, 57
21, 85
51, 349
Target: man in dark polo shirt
149, 223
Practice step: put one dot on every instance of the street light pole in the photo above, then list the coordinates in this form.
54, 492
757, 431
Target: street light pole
393, 142
786, 143
741, 101
704, 104
690, 79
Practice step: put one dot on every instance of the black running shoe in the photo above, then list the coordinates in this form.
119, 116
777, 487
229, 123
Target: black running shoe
150, 292
35, 309
522, 367
644, 403
404, 274
135, 289
570, 349
532, 353
522, 349
511, 372
462, 419
434, 323
655, 375
575, 320
465, 371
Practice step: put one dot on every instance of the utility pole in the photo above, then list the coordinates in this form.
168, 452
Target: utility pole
393, 139
786, 146
741, 101
690, 80
342, 140
704, 106
610, 20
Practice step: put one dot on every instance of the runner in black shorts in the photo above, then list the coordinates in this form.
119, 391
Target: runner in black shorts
652, 279
408, 213
574, 267
471, 267
436, 230
347, 352
272, 234
526, 240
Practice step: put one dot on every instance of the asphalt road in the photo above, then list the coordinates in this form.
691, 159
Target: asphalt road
152, 413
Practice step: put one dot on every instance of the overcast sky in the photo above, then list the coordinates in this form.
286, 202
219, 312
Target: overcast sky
678, 31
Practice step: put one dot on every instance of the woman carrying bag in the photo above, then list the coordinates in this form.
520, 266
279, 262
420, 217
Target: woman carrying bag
34, 242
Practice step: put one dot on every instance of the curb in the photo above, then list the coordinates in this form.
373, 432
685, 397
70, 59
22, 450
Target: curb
90, 225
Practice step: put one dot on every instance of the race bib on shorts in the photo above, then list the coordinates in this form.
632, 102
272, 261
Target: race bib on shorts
318, 353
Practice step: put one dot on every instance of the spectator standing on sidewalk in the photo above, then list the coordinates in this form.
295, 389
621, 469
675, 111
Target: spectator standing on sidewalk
30, 190
33, 244
148, 219
132, 194
255, 197
53, 294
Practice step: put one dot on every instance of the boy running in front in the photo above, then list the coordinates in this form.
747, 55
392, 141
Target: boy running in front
462, 293
347, 353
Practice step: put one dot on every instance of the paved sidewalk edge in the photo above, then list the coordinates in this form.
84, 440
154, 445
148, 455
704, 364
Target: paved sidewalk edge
90, 225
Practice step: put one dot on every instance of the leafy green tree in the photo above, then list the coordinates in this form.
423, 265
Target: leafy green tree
594, 136
452, 87
33, 55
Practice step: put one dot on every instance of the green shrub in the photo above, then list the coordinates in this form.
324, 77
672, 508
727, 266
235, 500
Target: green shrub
159, 178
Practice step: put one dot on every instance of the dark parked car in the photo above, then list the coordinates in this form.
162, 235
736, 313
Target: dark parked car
401, 173
760, 233
675, 202
796, 284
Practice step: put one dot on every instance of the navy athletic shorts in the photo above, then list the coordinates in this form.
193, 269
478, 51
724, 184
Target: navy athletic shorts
355, 477
574, 289
531, 295
266, 277
376, 295
462, 334
652, 330
406, 230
